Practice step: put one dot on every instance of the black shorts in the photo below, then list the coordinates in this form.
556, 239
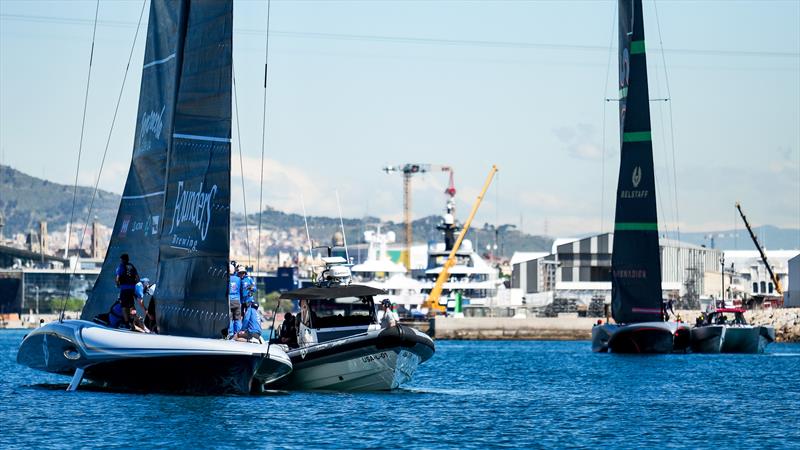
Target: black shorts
126, 297
236, 310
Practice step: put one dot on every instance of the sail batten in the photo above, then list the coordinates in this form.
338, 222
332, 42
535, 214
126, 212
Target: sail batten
636, 264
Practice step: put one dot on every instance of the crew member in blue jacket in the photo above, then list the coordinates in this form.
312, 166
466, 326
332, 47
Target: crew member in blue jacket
248, 286
235, 302
251, 326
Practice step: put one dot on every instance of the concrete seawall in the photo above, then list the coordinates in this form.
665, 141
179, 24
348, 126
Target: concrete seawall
506, 328
786, 322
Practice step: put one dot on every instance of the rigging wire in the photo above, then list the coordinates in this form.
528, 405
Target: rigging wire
605, 103
671, 125
241, 165
105, 152
263, 140
80, 152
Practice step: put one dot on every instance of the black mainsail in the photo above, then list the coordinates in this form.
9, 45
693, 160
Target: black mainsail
137, 226
636, 263
174, 219
195, 238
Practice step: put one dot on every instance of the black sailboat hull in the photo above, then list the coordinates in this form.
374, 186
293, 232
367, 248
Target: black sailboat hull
373, 361
130, 361
644, 337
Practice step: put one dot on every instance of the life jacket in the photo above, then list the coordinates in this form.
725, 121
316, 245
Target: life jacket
129, 276
235, 288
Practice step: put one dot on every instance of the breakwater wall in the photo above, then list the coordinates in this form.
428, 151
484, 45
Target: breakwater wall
506, 328
786, 321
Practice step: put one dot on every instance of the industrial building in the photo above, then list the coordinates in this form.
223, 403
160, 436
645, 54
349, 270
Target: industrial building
580, 270
791, 296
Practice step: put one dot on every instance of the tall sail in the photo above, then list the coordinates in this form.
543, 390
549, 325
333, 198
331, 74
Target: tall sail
137, 226
194, 245
636, 264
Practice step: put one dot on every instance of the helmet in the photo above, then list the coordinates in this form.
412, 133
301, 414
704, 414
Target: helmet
240, 269
386, 303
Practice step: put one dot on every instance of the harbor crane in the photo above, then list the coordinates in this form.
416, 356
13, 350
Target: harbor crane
761, 252
408, 171
432, 303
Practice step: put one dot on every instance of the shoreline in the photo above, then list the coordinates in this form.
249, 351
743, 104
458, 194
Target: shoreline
786, 322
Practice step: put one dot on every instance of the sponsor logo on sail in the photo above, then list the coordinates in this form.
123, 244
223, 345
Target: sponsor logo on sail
636, 178
151, 123
123, 230
194, 208
154, 224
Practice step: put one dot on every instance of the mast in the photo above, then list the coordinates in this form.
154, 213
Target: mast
636, 262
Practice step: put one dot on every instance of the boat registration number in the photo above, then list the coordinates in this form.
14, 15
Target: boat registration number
375, 357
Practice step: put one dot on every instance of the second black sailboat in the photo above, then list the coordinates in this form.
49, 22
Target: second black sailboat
636, 298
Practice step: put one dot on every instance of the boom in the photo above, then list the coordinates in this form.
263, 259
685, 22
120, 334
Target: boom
433, 298
772, 275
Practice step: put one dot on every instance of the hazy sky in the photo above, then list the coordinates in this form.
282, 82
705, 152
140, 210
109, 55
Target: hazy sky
355, 85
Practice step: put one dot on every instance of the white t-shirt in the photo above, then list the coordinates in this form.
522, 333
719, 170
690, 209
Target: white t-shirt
386, 317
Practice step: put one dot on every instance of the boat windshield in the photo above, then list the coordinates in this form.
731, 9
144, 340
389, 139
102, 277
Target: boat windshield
341, 312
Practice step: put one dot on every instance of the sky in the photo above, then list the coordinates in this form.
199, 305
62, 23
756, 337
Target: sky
357, 85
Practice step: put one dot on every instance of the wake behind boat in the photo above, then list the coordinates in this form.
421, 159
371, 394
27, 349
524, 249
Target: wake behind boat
341, 343
129, 360
636, 295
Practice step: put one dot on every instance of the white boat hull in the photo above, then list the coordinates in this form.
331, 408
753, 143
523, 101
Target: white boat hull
375, 361
121, 359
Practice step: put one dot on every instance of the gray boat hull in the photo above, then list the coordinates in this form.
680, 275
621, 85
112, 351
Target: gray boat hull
644, 337
732, 338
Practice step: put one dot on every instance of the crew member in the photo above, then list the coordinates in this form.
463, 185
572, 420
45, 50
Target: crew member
235, 302
251, 325
126, 278
248, 285
386, 317
288, 334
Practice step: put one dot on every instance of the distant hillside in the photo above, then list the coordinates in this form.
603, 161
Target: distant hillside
322, 229
25, 200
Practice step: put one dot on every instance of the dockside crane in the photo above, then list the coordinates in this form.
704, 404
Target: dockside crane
761, 252
432, 303
408, 171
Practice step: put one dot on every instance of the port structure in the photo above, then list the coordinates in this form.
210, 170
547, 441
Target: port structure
408, 171
775, 280
432, 303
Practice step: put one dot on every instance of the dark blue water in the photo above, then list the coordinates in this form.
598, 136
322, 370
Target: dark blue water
471, 394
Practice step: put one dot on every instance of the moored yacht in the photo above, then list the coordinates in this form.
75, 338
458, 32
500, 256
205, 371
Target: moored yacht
717, 334
379, 271
471, 278
341, 344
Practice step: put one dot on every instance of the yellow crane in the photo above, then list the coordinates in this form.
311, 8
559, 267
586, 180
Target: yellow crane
775, 280
408, 171
432, 303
